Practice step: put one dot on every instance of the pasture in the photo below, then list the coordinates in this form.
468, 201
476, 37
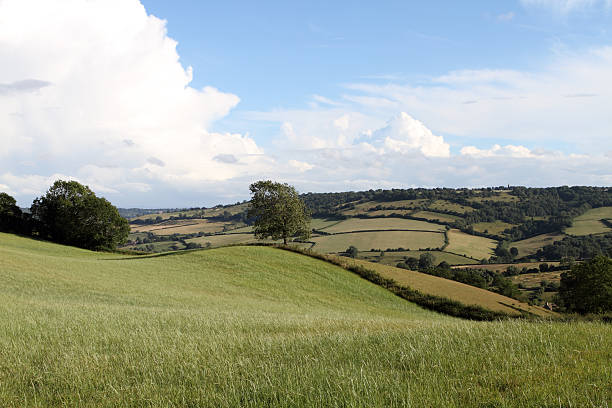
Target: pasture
531, 245
369, 224
470, 245
394, 257
430, 215
590, 222
364, 241
443, 205
494, 228
181, 227
253, 326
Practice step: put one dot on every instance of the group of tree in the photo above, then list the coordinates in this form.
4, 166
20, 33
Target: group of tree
69, 213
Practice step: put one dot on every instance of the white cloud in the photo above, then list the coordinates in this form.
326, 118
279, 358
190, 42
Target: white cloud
404, 134
300, 166
92, 85
518, 152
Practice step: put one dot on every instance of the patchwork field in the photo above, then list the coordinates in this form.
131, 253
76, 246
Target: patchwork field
363, 208
503, 267
531, 245
224, 239
443, 205
533, 280
590, 222
364, 241
465, 294
181, 227
470, 245
253, 326
365, 224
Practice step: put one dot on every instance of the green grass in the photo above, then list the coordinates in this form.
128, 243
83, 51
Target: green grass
494, 228
590, 222
470, 245
443, 205
362, 224
364, 241
252, 327
430, 215
531, 245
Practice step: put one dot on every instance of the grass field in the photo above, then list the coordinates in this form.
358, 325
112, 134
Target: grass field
503, 267
443, 205
590, 222
531, 245
365, 207
437, 286
470, 245
210, 212
224, 239
364, 241
252, 327
532, 280
430, 215
181, 227
363, 224
495, 228
392, 258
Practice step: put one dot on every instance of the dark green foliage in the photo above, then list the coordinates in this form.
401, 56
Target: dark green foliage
352, 251
70, 213
11, 216
426, 261
587, 287
278, 211
584, 247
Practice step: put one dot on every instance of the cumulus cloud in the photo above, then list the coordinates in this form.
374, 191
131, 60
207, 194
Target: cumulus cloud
109, 92
404, 134
518, 152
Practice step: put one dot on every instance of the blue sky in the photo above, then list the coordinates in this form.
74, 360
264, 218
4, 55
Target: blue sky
156, 103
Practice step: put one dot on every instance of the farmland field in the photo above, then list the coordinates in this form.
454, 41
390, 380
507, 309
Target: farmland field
181, 227
503, 267
494, 228
531, 245
362, 224
443, 205
364, 241
224, 239
253, 326
434, 285
393, 258
470, 245
590, 222
365, 207
430, 215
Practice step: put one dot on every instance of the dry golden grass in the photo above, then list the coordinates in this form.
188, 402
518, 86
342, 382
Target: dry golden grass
589, 222
365, 224
470, 245
365, 241
437, 286
534, 279
181, 227
531, 245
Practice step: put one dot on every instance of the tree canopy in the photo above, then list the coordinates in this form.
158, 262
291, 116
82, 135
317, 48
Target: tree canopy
70, 213
278, 211
587, 287
10, 214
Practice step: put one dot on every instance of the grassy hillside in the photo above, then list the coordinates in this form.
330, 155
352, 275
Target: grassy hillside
590, 222
253, 326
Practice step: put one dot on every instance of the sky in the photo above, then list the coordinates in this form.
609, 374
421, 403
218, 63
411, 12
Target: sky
157, 104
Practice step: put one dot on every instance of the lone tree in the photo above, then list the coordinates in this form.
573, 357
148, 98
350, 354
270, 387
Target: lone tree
278, 211
70, 213
587, 287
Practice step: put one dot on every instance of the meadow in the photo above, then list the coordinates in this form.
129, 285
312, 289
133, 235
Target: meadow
590, 222
470, 245
255, 326
531, 245
380, 224
364, 241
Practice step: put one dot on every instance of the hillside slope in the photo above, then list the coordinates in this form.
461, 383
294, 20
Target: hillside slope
252, 326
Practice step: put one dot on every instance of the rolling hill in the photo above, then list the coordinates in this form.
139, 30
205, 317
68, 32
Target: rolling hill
257, 326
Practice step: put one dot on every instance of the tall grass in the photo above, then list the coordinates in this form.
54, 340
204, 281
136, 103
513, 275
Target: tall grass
252, 326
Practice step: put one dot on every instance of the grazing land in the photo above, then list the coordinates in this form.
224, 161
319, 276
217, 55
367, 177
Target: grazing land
254, 326
430, 215
591, 222
531, 245
494, 228
394, 257
181, 227
364, 241
470, 245
380, 224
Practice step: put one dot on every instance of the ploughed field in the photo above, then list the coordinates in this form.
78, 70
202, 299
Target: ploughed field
258, 326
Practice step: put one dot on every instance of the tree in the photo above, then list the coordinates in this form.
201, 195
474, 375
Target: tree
426, 261
352, 251
587, 287
278, 211
10, 214
70, 213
